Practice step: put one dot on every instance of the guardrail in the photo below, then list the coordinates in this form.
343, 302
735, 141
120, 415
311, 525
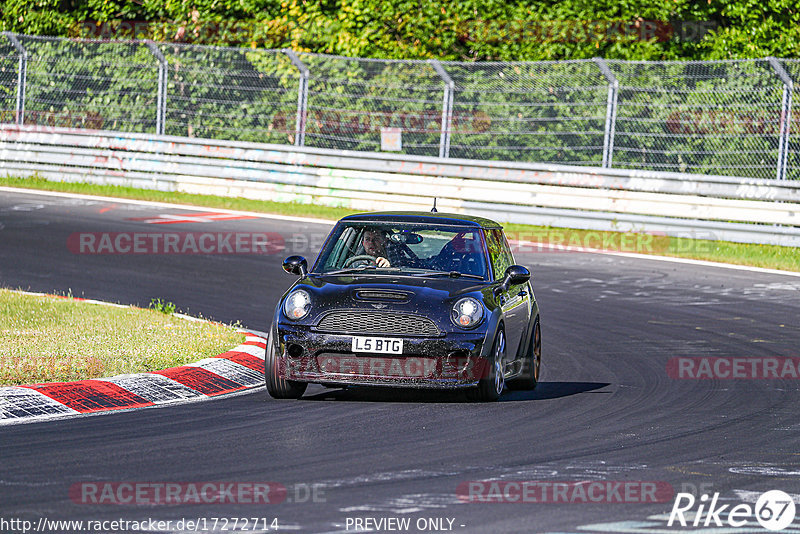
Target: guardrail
710, 207
728, 117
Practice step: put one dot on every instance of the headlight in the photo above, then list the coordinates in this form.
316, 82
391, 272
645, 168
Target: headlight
297, 305
467, 312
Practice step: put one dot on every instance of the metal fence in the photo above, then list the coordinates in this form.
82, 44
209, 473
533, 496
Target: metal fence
729, 118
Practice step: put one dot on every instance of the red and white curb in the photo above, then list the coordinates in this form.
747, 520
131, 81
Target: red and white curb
236, 370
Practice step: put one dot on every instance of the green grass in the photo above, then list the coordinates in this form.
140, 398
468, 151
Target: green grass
768, 256
50, 339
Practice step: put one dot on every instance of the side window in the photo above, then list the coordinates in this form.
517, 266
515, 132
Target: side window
341, 249
499, 253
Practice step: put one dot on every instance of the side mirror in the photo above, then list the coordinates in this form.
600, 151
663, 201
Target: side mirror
296, 265
515, 275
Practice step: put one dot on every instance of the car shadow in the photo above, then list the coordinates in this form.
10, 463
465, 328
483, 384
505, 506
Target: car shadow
544, 391
554, 390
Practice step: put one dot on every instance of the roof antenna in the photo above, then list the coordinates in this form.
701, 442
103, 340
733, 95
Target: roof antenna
433, 209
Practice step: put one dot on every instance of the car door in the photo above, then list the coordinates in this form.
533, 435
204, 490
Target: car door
515, 301
521, 299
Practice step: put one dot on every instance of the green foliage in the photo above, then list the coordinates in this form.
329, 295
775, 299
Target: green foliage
755, 28
464, 30
158, 305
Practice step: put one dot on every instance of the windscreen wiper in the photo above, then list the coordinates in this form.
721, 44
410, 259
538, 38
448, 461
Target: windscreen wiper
451, 274
362, 268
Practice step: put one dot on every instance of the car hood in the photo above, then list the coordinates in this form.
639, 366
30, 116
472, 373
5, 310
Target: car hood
427, 296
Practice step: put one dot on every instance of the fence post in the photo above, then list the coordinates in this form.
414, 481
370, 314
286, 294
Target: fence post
611, 112
22, 75
786, 113
447, 108
302, 98
161, 100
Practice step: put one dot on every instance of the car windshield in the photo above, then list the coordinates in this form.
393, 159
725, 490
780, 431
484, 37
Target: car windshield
420, 249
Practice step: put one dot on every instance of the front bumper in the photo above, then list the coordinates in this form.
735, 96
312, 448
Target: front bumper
452, 360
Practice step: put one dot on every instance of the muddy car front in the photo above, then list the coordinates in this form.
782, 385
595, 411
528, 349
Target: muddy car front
356, 330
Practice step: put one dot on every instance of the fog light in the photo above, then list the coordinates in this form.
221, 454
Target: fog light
294, 351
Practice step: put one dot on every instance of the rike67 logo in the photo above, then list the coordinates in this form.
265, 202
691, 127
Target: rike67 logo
774, 510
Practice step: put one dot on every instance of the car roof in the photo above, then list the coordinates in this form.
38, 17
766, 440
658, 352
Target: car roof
424, 217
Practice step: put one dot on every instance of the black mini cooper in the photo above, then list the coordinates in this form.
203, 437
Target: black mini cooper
404, 299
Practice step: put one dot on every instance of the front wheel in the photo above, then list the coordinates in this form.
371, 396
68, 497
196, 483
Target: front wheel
492, 385
277, 386
532, 363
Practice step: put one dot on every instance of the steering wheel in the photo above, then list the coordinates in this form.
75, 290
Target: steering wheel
412, 258
349, 261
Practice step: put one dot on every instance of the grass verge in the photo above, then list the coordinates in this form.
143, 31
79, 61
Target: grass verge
766, 256
51, 339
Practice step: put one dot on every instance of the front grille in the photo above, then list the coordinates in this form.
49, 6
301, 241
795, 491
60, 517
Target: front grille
370, 322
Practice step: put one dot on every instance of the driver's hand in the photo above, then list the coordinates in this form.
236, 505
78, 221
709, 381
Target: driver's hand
380, 261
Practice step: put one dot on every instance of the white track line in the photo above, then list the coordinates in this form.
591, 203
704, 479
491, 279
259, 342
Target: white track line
168, 205
654, 257
310, 220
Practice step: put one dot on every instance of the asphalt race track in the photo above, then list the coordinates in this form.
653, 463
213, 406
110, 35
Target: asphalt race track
606, 409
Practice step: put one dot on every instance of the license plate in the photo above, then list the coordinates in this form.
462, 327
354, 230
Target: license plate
377, 345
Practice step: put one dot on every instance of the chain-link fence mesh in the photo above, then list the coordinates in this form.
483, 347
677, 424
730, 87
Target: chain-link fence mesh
90, 84
9, 68
230, 93
351, 100
715, 117
550, 112
792, 67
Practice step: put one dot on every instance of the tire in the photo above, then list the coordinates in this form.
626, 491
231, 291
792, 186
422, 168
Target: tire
491, 386
278, 387
531, 366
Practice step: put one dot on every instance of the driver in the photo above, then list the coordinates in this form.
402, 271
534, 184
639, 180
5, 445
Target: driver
375, 244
